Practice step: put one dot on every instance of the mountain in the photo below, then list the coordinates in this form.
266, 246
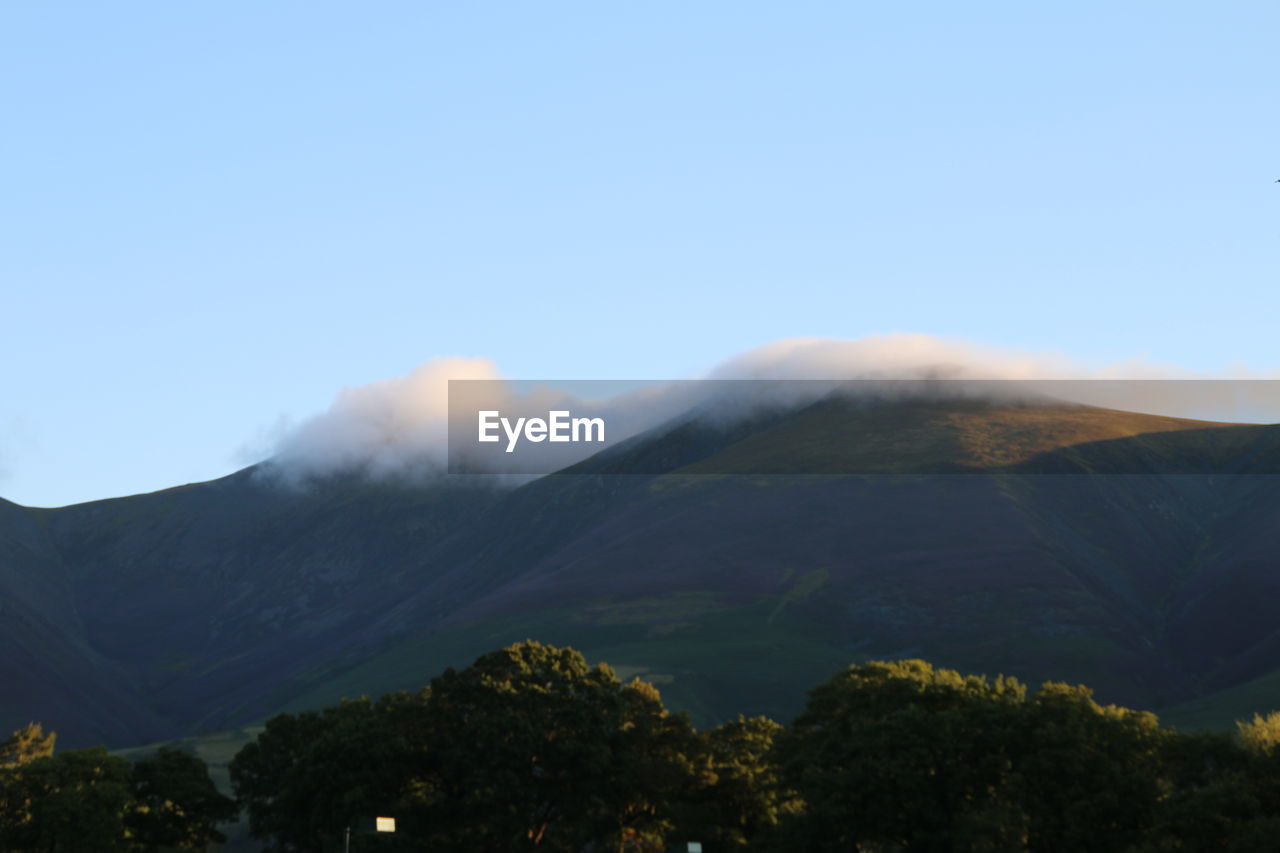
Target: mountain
732, 562
49, 669
201, 598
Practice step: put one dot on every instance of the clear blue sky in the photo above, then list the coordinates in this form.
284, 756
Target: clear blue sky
214, 215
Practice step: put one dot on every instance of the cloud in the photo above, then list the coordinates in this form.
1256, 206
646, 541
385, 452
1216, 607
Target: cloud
398, 427
264, 444
15, 435
1135, 384
387, 428
899, 356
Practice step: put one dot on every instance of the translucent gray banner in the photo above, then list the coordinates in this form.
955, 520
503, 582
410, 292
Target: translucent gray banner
864, 426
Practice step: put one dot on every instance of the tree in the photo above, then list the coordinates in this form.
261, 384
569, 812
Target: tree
73, 802
174, 803
270, 780
891, 755
26, 744
1214, 799
1261, 734
743, 800
85, 800
309, 776
529, 748
657, 761
532, 749
1088, 776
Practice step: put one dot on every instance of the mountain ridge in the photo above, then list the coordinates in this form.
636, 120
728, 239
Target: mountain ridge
740, 564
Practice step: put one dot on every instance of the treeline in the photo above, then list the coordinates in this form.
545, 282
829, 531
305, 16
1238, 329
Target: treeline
85, 800
532, 749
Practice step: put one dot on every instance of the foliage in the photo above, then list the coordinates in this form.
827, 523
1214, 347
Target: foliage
26, 744
904, 755
1212, 801
307, 777
83, 801
744, 800
528, 748
531, 748
1262, 733
74, 801
174, 802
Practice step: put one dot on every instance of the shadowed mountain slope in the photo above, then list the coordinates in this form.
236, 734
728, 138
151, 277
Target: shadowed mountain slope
1108, 578
750, 558
47, 666
206, 596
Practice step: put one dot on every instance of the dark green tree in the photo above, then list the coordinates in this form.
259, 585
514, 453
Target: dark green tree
527, 749
1224, 795
532, 749
904, 756
899, 754
19, 749
72, 802
1087, 776
271, 781
309, 776
741, 800
174, 803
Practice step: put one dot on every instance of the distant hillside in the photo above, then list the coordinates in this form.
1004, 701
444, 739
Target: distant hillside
1133, 552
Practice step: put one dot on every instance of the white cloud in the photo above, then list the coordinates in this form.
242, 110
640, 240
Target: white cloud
398, 427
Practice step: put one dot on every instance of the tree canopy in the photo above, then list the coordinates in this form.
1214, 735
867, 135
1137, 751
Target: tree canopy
26, 744
531, 748
901, 754
86, 800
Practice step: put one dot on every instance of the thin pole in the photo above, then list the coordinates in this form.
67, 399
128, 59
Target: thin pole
346, 845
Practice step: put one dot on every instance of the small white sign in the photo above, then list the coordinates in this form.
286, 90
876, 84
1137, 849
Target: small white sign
695, 847
388, 824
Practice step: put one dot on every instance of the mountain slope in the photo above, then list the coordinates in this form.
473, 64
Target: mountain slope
734, 562
204, 597
49, 668
1100, 577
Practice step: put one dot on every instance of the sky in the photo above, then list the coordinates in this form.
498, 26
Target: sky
217, 215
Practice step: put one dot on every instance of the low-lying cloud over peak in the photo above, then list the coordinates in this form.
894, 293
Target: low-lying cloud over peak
910, 356
398, 427
387, 428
